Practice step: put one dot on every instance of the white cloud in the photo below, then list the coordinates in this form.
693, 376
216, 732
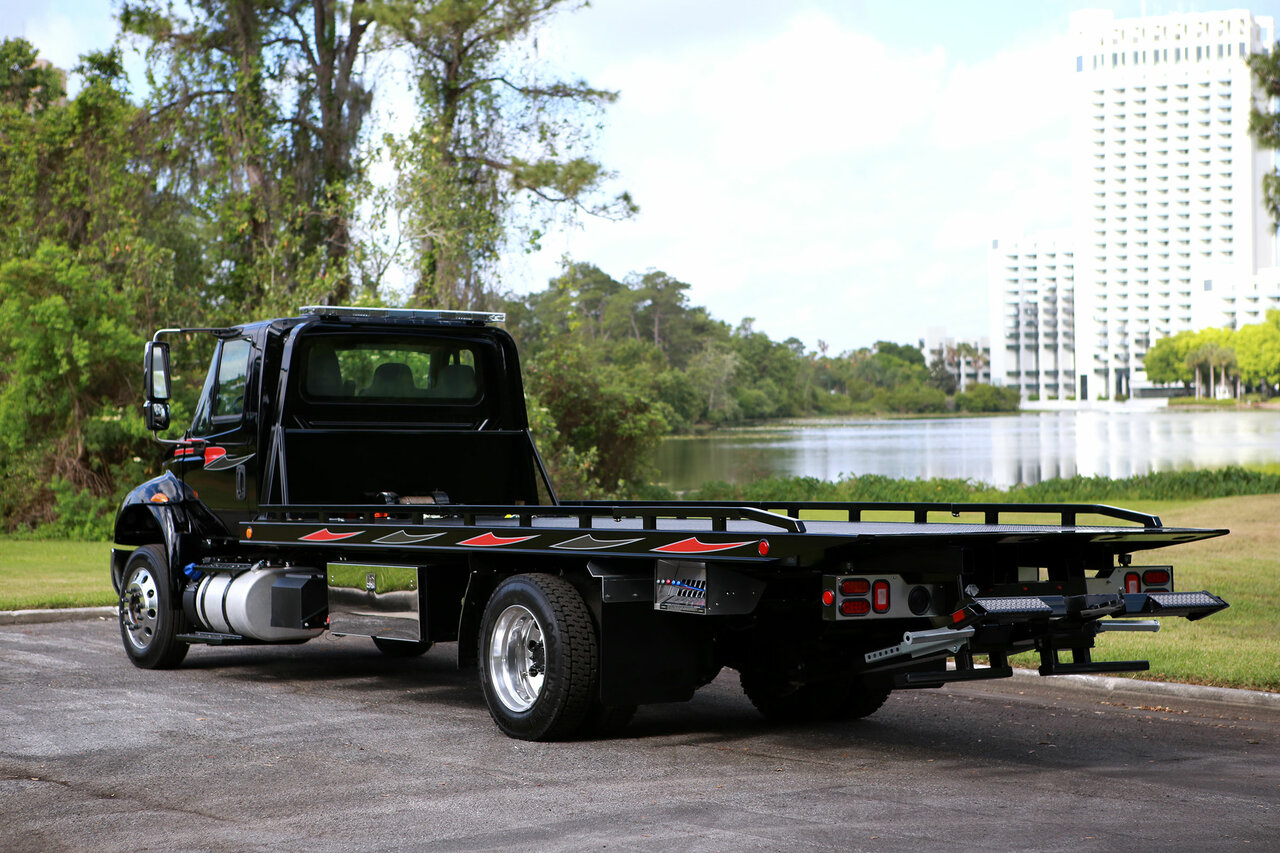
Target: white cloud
1016, 95
825, 181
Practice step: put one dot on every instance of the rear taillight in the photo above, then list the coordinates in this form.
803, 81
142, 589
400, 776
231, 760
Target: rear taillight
855, 586
855, 607
1131, 582
880, 596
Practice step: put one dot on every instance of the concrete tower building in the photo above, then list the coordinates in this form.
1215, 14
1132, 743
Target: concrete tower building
1171, 231
1031, 299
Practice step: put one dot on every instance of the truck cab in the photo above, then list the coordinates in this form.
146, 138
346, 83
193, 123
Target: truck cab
330, 409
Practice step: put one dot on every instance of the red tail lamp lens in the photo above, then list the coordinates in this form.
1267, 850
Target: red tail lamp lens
880, 596
855, 607
763, 548
828, 597
1131, 582
1155, 577
855, 586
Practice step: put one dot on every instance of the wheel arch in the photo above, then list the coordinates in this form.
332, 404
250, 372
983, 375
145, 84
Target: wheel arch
487, 574
161, 511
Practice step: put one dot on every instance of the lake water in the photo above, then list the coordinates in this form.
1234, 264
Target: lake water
1002, 451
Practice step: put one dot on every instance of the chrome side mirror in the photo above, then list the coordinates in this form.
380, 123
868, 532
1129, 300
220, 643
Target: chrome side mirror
155, 363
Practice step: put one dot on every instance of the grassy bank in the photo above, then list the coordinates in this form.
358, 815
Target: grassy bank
37, 574
1235, 648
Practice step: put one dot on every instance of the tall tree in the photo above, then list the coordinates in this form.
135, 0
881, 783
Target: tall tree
1258, 350
493, 135
88, 260
258, 106
1264, 122
26, 82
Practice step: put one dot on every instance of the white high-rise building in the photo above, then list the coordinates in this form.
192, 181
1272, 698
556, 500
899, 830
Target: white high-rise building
1031, 302
1172, 233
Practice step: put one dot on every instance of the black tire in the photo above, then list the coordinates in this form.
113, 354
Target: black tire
863, 700
784, 701
538, 658
402, 648
150, 619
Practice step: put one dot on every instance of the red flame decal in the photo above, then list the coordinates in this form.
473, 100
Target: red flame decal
488, 540
326, 535
694, 546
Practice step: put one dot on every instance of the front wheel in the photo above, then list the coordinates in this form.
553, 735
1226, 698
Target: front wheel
539, 658
149, 619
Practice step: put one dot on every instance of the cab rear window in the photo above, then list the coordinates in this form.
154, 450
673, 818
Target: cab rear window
346, 369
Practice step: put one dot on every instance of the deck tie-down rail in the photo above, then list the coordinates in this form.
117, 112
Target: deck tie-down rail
585, 513
1068, 513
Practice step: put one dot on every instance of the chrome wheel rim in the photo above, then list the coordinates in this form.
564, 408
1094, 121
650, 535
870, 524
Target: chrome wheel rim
517, 658
139, 607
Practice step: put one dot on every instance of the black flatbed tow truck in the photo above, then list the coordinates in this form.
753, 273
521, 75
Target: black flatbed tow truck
370, 472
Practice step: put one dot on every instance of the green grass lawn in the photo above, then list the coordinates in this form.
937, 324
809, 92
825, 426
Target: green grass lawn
1235, 648
54, 574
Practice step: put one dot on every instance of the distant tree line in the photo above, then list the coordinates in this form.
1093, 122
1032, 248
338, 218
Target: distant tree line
613, 366
1220, 362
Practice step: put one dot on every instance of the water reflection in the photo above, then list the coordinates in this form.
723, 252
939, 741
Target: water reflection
1002, 451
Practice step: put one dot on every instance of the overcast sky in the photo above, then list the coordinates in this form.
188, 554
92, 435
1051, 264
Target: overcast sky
835, 170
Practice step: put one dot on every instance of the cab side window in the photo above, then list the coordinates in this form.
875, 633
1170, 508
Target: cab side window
233, 378
222, 399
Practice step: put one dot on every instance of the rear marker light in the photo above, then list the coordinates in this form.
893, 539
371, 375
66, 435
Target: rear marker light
855, 607
828, 597
1131, 582
855, 586
763, 547
880, 596
1155, 577
248, 533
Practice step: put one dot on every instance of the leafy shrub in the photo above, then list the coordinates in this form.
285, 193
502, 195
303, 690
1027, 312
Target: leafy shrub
988, 398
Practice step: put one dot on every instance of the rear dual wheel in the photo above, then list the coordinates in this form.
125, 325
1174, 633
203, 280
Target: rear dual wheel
540, 661
781, 700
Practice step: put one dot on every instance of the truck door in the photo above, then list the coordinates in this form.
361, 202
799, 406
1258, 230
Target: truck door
220, 460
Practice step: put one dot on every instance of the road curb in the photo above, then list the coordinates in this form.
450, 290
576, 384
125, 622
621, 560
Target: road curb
1230, 695
65, 614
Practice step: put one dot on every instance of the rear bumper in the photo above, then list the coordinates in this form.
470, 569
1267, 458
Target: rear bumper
999, 627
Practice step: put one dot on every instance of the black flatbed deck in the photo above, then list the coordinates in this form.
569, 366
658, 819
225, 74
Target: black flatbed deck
727, 531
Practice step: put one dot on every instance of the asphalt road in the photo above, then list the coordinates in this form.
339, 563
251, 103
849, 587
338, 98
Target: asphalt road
329, 746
